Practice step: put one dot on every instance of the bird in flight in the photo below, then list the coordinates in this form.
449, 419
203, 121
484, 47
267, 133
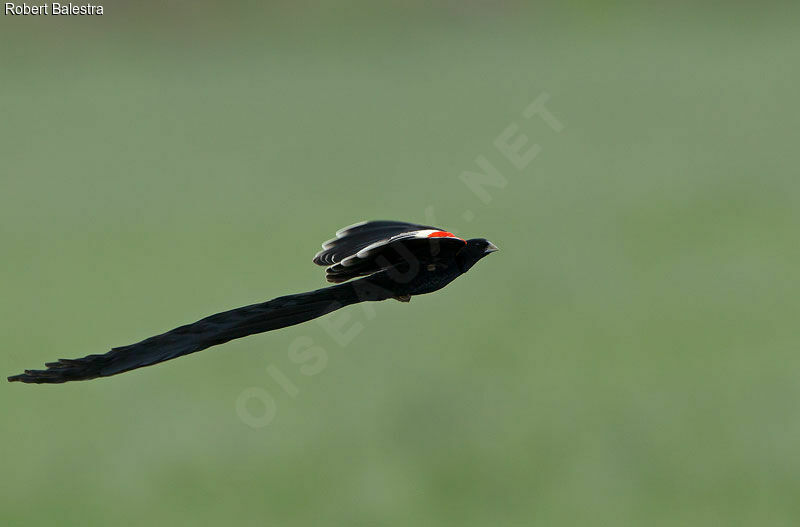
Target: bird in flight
394, 260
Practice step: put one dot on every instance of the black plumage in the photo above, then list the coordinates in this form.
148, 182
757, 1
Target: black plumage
398, 260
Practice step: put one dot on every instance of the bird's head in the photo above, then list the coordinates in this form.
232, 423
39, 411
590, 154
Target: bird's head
475, 249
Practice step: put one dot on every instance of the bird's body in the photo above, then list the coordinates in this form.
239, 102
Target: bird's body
389, 259
430, 280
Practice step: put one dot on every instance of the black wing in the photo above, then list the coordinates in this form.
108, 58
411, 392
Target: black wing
405, 253
356, 237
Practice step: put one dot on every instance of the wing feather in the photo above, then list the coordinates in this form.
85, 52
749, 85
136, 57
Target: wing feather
356, 237
403, 252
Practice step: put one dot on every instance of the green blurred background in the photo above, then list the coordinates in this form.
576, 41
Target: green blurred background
630, 357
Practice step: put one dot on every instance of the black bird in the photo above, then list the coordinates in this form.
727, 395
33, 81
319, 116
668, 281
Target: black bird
397, 260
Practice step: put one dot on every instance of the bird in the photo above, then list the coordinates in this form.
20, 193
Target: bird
368, 261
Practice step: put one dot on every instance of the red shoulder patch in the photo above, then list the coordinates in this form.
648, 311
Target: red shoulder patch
442, 234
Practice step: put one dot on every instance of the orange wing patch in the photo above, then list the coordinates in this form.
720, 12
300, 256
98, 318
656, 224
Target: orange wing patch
443, 234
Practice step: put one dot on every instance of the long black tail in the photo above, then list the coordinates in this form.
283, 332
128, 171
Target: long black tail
210, 331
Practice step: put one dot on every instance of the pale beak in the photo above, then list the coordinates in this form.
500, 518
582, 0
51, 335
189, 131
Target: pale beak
490, 248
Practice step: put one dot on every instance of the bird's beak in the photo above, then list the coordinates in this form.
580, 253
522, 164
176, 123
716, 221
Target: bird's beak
491, 248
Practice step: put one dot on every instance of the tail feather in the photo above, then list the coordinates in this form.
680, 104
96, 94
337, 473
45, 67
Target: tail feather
216, 329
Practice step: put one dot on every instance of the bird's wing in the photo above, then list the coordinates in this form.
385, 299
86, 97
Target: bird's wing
354, 238
405, 253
